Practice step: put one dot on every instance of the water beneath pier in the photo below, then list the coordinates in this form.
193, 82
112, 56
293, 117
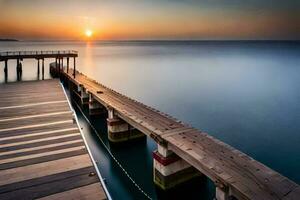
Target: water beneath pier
244, 93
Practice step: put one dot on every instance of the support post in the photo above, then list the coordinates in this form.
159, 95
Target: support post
62, 64
170, 170
20, 70
58, 66
17, 70
221, 194
74, 71
119, 130
43, 68
95, 108
38, 68
84, 96
67, 64
5, 71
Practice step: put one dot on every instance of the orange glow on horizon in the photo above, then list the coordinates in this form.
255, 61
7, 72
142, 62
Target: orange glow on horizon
90, 24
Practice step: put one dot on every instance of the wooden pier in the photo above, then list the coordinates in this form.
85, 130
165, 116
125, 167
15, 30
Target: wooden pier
19, 56
42, 151
234, 173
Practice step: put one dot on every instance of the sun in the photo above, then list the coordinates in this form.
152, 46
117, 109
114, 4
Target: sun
88, 33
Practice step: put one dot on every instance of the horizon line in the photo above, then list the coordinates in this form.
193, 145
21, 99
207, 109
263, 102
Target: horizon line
146, 40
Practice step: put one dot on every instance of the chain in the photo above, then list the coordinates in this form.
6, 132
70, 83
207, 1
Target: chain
113, 157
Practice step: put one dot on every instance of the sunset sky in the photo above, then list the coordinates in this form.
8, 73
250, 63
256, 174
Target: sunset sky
150, 19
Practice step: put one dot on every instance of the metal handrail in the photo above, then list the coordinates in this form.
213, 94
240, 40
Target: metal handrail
16, 53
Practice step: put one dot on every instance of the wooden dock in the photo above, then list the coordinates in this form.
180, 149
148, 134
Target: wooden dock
37, 54
42, 152
19, 56
232, 171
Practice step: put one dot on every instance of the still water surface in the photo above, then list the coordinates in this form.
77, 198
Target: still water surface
244, 93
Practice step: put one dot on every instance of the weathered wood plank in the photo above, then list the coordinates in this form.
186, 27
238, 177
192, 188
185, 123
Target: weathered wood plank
45, 186
38, 129
40, 143
28, 172
5, 125
45, 179
47, 158
33, 110
40, 151
84, 193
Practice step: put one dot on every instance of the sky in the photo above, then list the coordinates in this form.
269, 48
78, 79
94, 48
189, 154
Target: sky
150, 19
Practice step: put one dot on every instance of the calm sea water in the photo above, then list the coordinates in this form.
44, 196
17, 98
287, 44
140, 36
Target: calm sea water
245, 93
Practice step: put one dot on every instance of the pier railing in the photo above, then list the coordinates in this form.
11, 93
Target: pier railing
19, 56
22, 53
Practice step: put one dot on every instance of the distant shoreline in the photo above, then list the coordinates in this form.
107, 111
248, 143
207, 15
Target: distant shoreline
8, 40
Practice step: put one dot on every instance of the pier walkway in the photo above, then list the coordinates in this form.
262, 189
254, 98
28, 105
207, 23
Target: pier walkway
233, 172
42, 151
19, 56
37, 54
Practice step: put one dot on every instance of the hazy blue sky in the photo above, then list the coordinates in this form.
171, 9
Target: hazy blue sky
151, 19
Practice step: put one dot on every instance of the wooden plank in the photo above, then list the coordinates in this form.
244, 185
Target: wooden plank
67, 124
57, 183
33, 121
34, 125
16, 152
23, 137
41, 159
33, 141
41, 143
33, 104
84, 193
36, 99
36, 116
51, 107
45, 179
41, 150
41, 154
28, 172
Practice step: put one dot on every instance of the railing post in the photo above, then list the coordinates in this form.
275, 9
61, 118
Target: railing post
74, 71
62, 63
43, 66
38, 69
59, 66
221, 194
67, 64
5, 71
18, 70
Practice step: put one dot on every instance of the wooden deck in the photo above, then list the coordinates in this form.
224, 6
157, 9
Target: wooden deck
244, 177
42, 153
